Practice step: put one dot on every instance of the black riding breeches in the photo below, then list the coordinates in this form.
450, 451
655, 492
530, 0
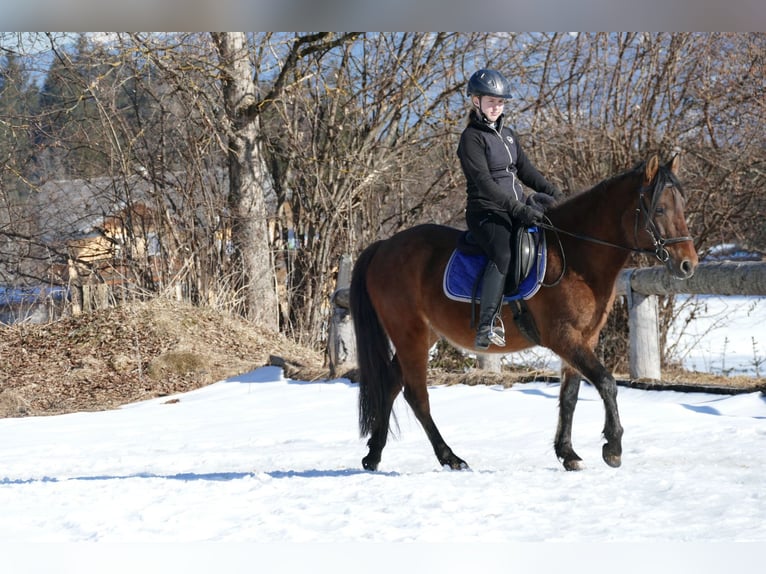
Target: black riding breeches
496, 235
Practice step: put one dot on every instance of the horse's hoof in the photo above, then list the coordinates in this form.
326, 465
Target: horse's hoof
456, 466
575, 464
455, 463
612, 459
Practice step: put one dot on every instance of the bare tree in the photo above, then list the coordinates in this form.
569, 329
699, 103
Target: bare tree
248, 179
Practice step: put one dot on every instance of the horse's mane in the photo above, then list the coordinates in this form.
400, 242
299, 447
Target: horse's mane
664, 178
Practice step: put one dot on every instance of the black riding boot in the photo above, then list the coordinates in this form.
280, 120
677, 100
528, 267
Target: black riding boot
491, 298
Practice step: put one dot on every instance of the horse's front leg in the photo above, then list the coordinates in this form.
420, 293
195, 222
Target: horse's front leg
606, 386
612, 450
587, 363
570, 388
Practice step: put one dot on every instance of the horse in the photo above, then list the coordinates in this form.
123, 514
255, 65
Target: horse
399, 308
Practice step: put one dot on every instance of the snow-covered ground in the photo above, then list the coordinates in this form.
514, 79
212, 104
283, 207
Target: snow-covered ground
271, 467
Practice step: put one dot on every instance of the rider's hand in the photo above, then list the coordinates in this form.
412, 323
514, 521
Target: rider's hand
529, 215
541, 201
557, 194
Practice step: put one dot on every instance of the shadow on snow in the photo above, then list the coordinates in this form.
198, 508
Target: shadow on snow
192, 476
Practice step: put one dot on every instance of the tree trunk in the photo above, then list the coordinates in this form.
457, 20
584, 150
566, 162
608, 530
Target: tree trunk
247, 182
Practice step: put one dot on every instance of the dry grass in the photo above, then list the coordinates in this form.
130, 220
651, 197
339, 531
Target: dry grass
129, 353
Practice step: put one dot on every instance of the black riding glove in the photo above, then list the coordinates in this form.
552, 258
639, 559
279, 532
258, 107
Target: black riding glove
529, 215
541, 201
556, 193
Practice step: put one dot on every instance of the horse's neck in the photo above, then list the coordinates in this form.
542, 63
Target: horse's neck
599, 214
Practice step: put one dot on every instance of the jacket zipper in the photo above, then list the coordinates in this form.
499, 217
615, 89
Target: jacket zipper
510, 158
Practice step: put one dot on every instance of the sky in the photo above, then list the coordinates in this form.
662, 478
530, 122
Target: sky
260, 473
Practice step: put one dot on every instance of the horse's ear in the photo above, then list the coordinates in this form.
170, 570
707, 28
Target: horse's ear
675, 164
651, 169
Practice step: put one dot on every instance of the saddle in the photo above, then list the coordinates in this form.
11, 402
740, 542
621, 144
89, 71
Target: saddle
465, 268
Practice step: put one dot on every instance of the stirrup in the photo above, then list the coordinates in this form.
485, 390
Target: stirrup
497, 337
496, 334
490, 334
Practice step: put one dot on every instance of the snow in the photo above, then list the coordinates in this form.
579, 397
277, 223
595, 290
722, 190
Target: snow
727, 335
269, 469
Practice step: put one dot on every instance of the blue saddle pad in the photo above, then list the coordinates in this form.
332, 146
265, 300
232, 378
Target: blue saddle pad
462, 271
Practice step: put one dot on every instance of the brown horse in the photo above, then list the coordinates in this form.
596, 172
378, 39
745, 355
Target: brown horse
400, 310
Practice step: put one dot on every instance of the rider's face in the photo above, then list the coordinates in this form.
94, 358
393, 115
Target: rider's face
490, 106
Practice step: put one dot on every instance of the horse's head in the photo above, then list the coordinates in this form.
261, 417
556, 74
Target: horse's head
660, 224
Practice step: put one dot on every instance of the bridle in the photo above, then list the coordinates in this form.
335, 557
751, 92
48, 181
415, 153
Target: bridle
659, 251
663, 180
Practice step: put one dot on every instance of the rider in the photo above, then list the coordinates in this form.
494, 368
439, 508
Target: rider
494, 164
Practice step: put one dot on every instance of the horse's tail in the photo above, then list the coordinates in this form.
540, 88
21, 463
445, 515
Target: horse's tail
378, 373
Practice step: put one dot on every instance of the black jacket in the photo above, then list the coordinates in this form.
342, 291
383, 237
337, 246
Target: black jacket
495, 166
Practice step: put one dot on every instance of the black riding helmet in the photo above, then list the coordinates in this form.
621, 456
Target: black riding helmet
488, 83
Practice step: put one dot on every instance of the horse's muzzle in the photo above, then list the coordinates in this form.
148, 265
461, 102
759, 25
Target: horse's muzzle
683, 269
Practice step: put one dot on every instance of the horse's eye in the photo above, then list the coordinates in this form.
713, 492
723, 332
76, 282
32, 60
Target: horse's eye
659, 210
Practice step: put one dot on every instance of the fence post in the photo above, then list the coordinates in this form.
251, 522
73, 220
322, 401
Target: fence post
643, 324
341, 341
643, 329
490, 362
641, 286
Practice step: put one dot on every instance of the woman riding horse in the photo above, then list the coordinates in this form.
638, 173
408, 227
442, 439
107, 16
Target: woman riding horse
400, 309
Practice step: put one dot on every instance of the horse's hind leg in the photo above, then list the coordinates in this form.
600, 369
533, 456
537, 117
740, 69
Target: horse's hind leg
379, 436
414, 364
570, 388
418, 400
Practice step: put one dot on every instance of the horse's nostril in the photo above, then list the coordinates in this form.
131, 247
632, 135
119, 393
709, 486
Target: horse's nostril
687, 268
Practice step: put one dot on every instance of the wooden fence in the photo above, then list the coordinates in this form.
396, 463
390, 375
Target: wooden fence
640, 286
